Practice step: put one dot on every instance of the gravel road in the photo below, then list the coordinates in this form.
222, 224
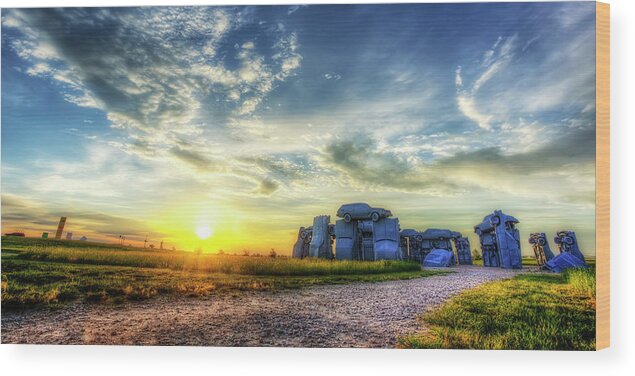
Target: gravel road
354, 315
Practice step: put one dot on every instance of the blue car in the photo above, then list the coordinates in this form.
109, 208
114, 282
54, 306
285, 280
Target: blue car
362, 211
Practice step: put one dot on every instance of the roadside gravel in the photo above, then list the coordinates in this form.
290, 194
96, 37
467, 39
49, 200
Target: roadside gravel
353, 315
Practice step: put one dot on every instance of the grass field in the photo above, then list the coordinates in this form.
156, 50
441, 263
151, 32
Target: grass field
37, 272
530, 311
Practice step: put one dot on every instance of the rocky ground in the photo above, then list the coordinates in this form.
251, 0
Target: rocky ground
354, 315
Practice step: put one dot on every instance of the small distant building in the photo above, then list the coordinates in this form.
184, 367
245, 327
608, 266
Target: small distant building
45, 235
83, 239
69, 236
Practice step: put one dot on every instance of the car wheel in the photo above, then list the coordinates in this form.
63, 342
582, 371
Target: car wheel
541, 241
374, 216
347, 218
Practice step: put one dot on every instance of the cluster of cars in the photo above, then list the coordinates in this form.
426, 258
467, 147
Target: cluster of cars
570, 255
369, 233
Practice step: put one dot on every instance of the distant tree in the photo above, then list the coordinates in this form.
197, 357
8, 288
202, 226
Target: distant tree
151, 246
173, 248
221, 252
199, 250
273, 253
245, 253
476, 255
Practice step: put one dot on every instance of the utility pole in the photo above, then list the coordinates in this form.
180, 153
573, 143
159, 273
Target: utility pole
145, 241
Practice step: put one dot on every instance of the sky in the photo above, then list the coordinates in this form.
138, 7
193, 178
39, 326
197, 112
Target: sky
249, 121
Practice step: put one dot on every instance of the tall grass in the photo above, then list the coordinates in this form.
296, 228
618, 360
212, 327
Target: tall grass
581, 280
28, 283
212, 263
45, 272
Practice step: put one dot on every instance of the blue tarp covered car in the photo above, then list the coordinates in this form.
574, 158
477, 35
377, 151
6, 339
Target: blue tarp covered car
439, 258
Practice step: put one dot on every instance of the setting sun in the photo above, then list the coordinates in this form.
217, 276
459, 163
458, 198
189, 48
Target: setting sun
203, 231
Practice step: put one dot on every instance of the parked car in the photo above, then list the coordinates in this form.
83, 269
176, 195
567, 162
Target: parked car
362, 211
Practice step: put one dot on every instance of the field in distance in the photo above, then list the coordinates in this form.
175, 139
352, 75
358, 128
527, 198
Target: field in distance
46, 272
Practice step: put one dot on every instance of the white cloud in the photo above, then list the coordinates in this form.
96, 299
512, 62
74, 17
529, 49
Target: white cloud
294, 8
458, 80
156, 70
500, 55
494, 60
39, 69
467, 105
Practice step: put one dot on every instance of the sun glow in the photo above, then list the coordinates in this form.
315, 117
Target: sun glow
203, 231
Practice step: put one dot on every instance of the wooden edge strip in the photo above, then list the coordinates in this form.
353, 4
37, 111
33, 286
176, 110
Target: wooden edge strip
602, 175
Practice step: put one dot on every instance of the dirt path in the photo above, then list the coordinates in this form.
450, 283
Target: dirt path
354, 315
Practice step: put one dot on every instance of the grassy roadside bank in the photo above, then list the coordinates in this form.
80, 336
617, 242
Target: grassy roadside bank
531, 311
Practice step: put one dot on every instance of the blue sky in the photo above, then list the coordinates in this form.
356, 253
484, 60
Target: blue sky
252, 120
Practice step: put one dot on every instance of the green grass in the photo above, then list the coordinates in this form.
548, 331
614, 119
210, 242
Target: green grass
48, 274
212, 263
581, 280
189, 261
530, 311
15, 243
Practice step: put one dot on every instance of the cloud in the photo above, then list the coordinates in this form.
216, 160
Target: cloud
32, 216
361, 161
294, 8
240, 111
573, 149
560, 170
467, 105
158, 73
494, 60
197, 159
288, 168
552, 169
458, 80
267, 187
